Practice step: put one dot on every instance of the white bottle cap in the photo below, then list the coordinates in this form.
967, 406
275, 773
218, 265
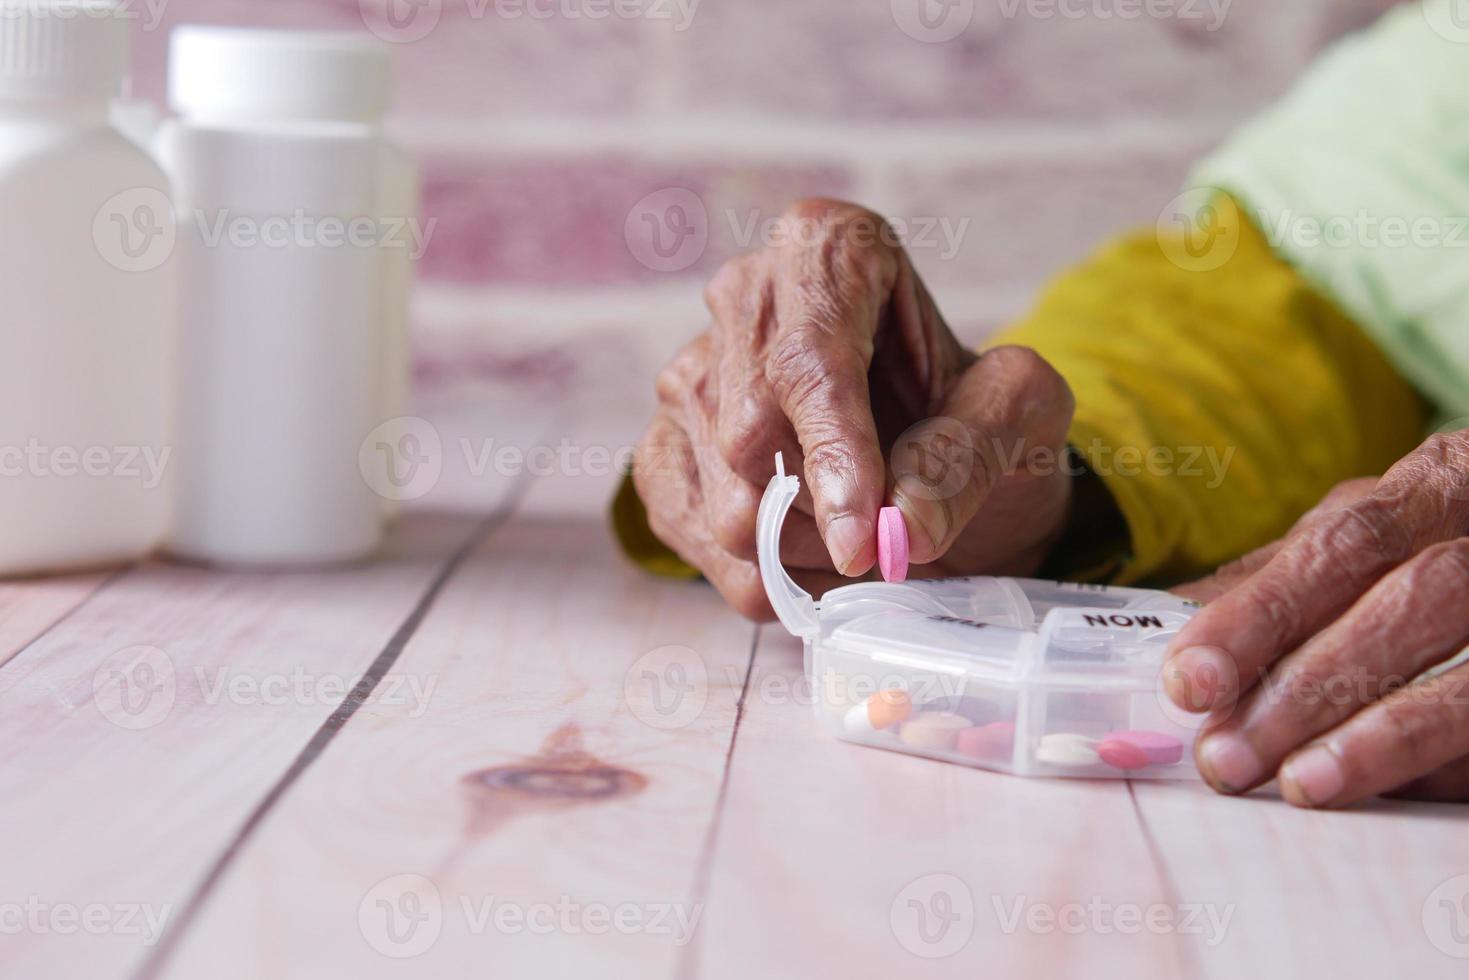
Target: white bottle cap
64, 49
278, 75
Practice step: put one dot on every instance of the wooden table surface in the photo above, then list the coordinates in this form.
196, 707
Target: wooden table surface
500, 751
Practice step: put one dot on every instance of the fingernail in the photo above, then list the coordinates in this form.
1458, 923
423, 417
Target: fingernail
1229, 763
1312, 777
847, 537
1198, 678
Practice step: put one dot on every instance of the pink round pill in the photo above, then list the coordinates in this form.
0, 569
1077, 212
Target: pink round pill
993, 741
1122, 754
892, 545
1161, 749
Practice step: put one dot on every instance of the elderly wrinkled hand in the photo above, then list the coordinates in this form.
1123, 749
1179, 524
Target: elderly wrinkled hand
1317, 655
826, 346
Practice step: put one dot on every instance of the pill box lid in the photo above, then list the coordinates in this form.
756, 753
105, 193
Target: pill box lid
793, 605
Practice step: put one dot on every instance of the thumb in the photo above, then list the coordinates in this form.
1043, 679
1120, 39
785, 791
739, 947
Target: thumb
1007, 404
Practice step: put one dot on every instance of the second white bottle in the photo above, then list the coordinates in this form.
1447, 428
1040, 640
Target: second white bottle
292, 213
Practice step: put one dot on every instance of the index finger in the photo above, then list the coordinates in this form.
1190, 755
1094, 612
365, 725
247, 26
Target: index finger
828, 302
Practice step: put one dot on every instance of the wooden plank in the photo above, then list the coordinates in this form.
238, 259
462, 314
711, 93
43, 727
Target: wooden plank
838, 860
28, 608
136, 736
1373, 892
566, 769
142, 736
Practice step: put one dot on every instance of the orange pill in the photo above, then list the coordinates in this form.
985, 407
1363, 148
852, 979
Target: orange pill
888, 708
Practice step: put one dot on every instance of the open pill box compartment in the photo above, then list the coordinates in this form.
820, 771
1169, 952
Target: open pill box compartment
1015, 675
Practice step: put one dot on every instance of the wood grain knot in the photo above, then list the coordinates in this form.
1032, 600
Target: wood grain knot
574, 782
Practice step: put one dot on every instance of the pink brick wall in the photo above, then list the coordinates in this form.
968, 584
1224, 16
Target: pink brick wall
550, 142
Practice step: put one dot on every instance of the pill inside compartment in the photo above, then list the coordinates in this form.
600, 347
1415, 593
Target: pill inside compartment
1094, 705
985, 672
1074, 695
904, 668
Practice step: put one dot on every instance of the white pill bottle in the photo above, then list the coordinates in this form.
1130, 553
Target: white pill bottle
86, 299
294, 237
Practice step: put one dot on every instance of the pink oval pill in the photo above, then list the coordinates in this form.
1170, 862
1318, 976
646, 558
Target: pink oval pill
1122, 754
993, 741
892, 545
1162, 749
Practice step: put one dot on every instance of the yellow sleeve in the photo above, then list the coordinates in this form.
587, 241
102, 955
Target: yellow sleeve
1215, 404
639, 543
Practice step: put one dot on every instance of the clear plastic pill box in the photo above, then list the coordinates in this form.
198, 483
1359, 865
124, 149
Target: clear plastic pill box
1020, 676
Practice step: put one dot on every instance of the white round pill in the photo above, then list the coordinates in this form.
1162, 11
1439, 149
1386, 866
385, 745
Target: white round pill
1067, 750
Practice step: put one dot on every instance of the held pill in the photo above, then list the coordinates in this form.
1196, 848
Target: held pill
932, 730
892, 545
993, 741
888, 708
1161, 748
1065, 749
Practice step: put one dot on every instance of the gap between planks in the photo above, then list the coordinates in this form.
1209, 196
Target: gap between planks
1188, 965
688, 963
84, 589
157, 960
